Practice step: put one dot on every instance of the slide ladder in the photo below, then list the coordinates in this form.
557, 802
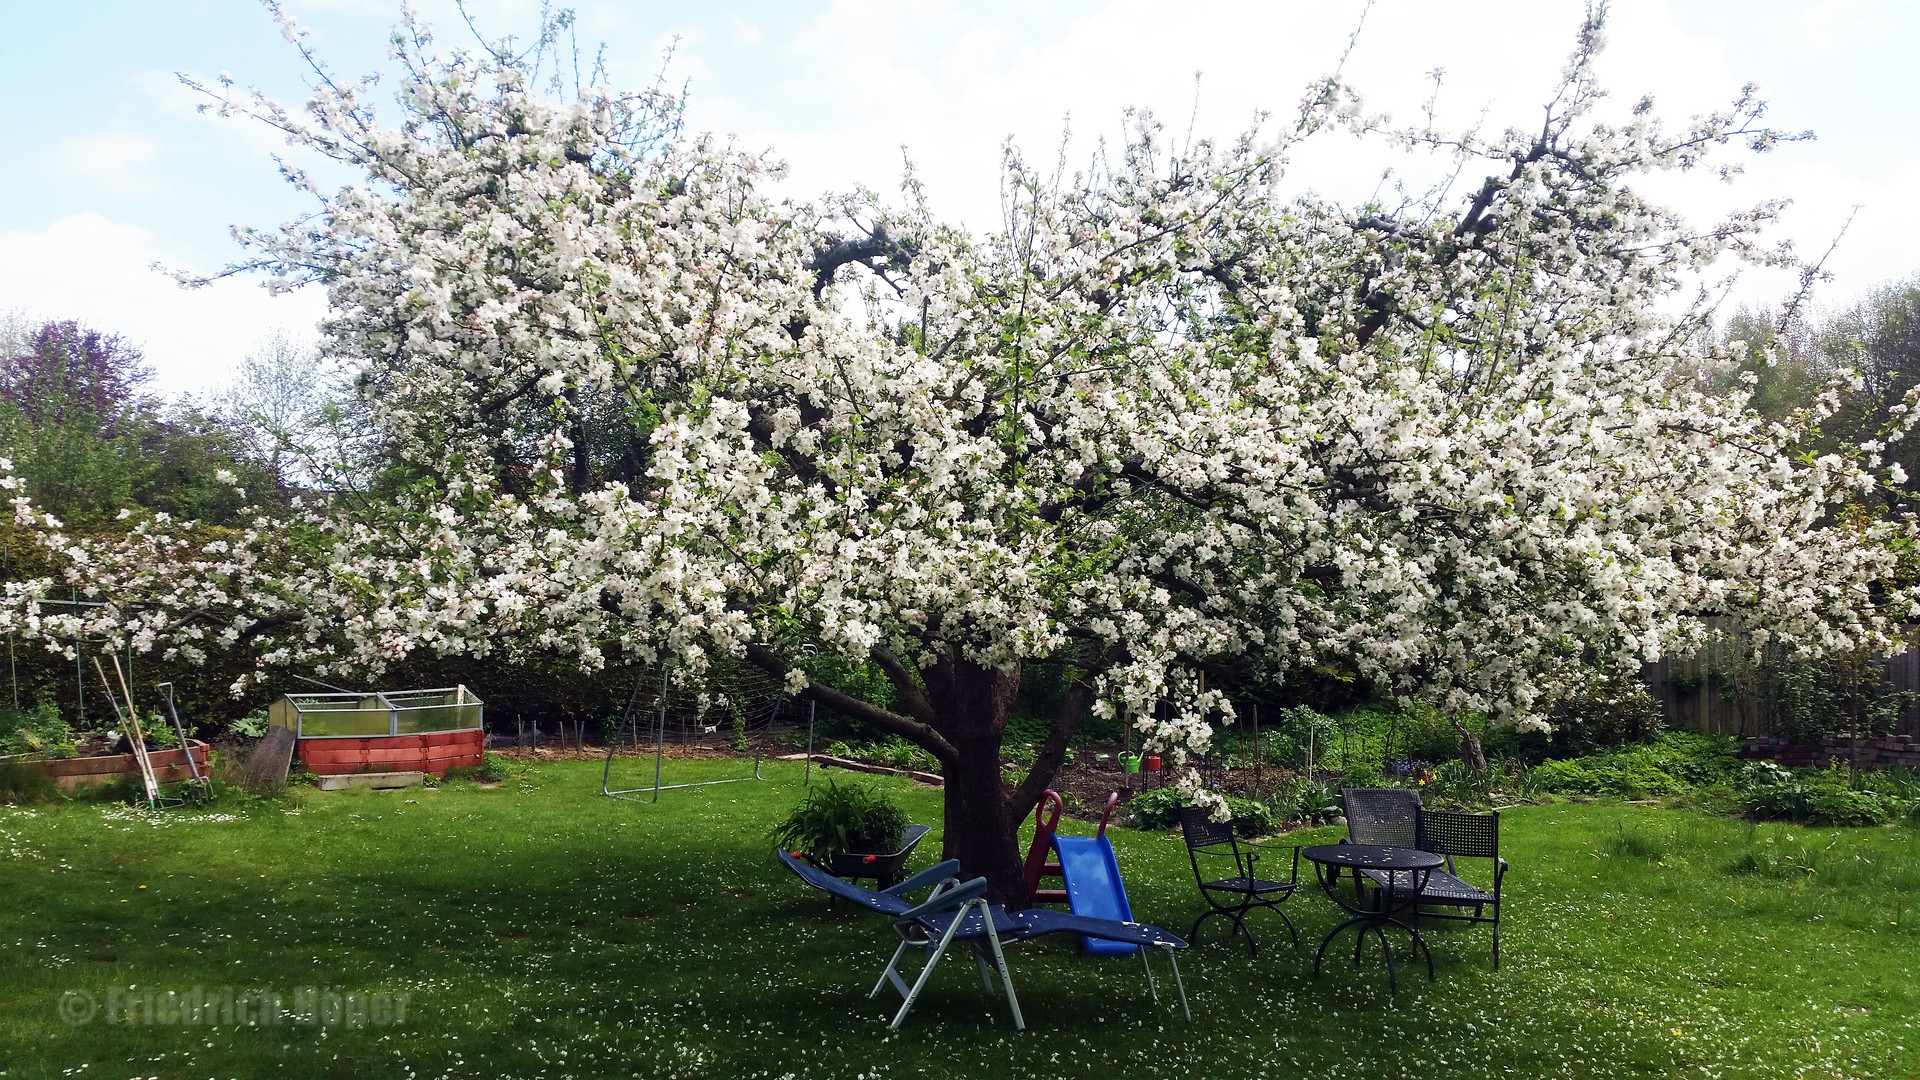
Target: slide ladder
1038, 866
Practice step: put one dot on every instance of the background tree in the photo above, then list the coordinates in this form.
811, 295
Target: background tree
70, 412
278, 398
1866, 354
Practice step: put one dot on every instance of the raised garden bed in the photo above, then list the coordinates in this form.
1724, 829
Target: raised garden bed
72, 773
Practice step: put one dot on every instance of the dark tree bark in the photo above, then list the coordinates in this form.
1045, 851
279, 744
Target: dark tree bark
971, 705
1470, 750
958, 710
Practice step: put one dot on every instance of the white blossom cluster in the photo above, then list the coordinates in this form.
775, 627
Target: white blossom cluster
1168, 419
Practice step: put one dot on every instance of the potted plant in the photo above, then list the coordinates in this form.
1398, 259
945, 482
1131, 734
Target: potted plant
851, 831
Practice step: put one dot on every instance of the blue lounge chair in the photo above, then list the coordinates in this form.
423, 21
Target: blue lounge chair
958, 911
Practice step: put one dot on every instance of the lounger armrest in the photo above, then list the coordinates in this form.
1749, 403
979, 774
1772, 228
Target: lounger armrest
1499, 872
947, 899
948, 869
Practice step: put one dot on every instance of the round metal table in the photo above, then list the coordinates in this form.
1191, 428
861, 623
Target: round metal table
1402, 875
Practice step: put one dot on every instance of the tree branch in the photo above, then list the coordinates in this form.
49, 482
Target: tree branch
1053, 753
914, 698
867, 713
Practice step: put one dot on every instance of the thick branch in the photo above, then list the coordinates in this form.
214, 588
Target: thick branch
904, 685
1053, 753
867, 713
862, 250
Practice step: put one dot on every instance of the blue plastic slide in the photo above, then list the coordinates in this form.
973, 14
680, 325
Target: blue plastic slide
1094, 888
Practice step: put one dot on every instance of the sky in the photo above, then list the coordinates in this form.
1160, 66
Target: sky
108, 169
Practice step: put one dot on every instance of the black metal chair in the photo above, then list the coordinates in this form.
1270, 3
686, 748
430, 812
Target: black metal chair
1246, 889
1467, 836
1386, 817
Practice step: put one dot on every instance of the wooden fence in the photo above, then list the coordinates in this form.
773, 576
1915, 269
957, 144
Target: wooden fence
1695, 692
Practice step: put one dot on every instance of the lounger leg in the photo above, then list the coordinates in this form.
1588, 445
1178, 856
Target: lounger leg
892, 972
1000, 962
1174, 959
980, 964
1148, 968
932, 961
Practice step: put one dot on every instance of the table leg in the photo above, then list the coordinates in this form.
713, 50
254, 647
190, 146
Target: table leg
1376, 926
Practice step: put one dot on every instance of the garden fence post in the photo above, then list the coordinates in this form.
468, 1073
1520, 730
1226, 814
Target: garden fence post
660, 735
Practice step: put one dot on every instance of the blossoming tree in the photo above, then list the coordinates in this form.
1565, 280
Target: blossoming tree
1167, 420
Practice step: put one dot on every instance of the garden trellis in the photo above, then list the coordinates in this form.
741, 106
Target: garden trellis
732, 706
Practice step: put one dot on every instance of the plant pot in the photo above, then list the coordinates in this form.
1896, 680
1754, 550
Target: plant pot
883, 868
1153, 763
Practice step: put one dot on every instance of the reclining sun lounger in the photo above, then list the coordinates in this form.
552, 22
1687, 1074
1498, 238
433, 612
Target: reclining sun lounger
958, 911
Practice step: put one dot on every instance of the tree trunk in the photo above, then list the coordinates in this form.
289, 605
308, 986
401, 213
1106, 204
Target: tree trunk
971, 704
1470, 751
981, 830
957, 710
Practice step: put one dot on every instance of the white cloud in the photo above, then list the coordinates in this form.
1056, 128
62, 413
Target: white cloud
97, 271
114, 162
744, 32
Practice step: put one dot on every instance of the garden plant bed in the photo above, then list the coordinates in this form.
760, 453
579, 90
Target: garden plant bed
169, 766
537, 918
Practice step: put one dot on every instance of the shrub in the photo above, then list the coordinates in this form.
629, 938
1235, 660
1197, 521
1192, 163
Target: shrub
1822, 798
834, 819
253, 725
1610, 713
1899, 789
1453, 785
1160, 809
42, 732
1427, 735
1316, 802
1675, 763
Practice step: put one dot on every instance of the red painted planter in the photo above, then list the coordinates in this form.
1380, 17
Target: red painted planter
168, 767
434, 752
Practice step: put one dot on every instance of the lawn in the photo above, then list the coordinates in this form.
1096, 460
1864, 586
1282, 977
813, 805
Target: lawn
538, 930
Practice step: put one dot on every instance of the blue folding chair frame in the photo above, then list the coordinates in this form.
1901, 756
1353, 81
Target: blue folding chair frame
959, 911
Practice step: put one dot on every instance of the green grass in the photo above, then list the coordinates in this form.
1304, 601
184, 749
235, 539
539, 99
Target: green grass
541, 930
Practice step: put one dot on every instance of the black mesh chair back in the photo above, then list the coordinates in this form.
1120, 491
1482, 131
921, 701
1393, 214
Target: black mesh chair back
1389, 817
1448, 896
1470, 836
1202, 831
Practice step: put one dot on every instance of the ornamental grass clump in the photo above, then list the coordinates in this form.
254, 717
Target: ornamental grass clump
836, 819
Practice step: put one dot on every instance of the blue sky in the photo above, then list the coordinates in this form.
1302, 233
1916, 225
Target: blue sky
109, 167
